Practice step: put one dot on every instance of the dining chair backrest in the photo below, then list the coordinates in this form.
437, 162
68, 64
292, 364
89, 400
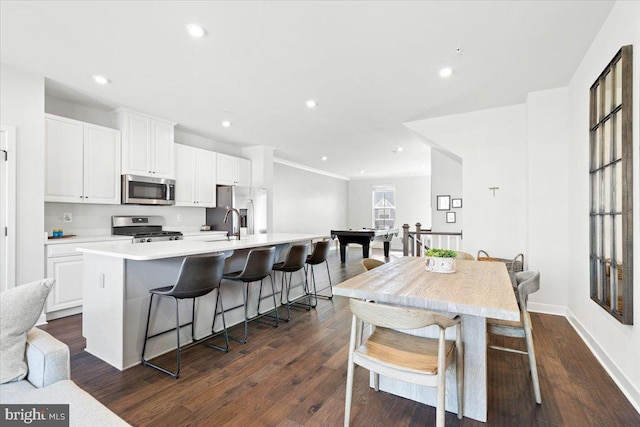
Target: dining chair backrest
528, 283
465, 255
296, 258
396, 317
258, 265
371, 263
198, 276
320, 252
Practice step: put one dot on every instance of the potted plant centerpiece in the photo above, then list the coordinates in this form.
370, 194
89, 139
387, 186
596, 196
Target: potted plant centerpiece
441, 261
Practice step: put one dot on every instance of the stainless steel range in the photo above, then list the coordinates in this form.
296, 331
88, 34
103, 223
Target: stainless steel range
143, 229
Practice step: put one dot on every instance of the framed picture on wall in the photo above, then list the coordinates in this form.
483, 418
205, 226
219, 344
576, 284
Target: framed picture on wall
456, 203
451, 217
443, 203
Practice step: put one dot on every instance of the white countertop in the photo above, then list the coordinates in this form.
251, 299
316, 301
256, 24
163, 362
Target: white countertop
87, 239
177, 248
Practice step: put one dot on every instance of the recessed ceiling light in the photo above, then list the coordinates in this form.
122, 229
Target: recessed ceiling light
446, 72
398, 150
324, 158
196, 30
101, 80
226, 123
311, 103
362, 171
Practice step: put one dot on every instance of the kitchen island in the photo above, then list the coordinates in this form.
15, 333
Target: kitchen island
118, 276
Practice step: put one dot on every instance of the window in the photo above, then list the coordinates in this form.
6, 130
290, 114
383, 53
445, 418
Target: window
384, 207
611, 191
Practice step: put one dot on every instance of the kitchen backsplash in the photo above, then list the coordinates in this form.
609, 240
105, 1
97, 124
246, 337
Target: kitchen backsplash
95, 220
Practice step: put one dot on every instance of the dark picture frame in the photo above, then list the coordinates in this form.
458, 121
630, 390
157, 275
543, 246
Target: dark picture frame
443, 203
451, 217
456, 203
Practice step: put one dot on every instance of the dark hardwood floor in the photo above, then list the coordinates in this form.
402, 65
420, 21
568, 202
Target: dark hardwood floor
295, 375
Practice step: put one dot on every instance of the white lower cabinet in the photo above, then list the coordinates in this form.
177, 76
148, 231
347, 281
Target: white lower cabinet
66, 266
67, 291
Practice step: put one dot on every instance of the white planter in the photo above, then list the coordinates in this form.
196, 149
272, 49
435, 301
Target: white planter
440, 265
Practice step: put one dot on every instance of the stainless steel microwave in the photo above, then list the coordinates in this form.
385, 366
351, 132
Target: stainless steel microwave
144, 190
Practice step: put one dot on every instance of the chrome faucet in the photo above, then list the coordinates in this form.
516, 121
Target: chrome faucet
226, 216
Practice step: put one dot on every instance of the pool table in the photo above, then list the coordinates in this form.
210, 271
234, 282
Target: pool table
363, 236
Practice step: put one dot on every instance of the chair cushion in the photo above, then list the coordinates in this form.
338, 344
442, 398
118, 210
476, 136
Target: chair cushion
397, 349
20, 308
232, 275
160, 291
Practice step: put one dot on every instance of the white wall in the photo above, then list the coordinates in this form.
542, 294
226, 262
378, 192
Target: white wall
72, 110
615, 344
307, 202
193, 140
22, 106
413, 196
95, 220
492, 145
547, 156
446, 179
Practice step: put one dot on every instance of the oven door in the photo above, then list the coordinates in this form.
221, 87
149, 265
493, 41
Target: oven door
143, 190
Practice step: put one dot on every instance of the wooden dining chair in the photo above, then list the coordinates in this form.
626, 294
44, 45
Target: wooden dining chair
395, 354
370, 263
528, 283
465, 255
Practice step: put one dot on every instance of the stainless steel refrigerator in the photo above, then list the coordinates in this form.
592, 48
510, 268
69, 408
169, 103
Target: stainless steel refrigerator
251, 202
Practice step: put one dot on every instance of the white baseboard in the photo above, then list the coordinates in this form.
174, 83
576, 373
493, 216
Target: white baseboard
64, 313
556, 310
42, 320
627, 387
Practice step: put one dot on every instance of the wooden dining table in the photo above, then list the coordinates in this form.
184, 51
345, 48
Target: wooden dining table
476, 291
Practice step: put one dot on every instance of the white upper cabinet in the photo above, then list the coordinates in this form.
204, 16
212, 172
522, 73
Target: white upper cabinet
64, 142
206, 182
82, 162
101, 165
195, 176
243, 171
162, 149
185, 176
147, 144
233, 170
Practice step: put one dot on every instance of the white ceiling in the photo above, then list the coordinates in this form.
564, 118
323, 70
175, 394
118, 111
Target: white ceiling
370, 65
